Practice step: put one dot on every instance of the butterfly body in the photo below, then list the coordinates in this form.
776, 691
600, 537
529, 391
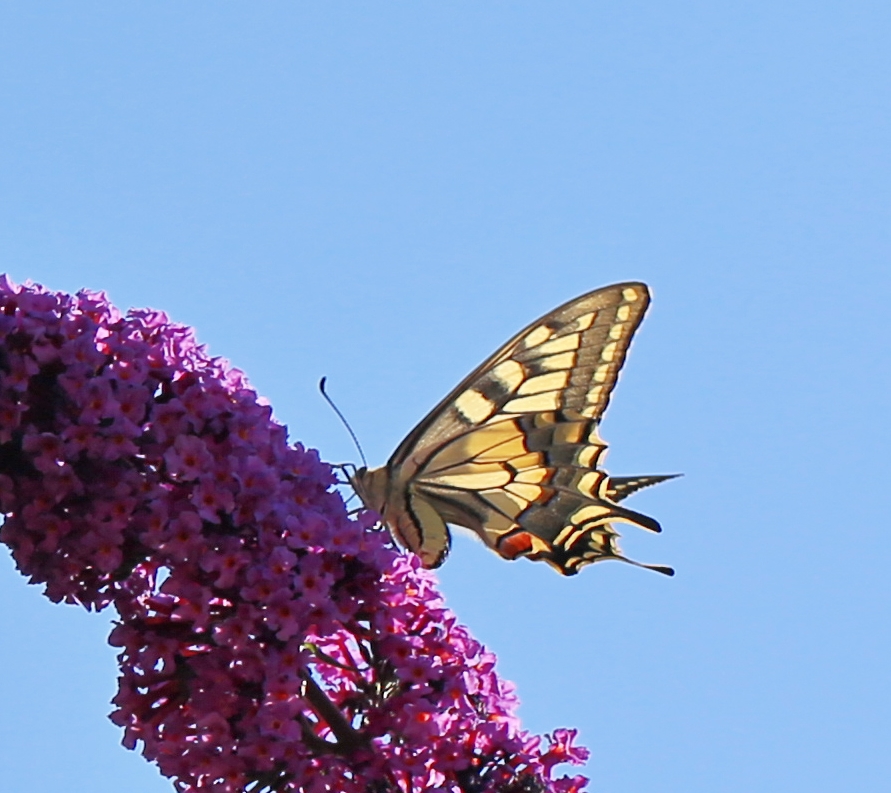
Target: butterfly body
513, 452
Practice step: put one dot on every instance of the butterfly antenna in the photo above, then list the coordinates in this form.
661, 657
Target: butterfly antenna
345, 422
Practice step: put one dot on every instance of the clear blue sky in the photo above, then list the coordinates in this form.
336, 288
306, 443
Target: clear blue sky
383, 193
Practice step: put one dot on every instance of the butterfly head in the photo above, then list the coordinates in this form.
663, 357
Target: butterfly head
371, 485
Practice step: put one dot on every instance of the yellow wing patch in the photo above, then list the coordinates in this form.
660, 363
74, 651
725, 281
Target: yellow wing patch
474, 407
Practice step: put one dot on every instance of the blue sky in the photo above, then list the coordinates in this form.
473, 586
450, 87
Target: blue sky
383, 193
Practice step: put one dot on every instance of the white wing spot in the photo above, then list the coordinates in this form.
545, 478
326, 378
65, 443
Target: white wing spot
534, 404
506, 502
525, 462
560, 344
564, 360
573, 538
590, 512
593, 398
544, 382
537, 336
525, 491
474, 407
587, 457
564, 533
588, 484
568, 432
510, 374
585, 321
474, 481
531, 476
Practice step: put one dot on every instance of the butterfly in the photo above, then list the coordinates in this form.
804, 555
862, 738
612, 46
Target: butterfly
513, 453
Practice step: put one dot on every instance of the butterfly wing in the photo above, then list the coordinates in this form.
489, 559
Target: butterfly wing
568, 359
512, 451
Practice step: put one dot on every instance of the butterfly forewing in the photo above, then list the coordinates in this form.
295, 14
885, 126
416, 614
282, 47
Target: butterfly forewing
512, 452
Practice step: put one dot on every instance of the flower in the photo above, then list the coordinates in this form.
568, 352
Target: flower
267, 639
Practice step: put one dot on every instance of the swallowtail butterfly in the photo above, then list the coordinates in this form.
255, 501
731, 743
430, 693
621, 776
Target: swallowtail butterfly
513, 453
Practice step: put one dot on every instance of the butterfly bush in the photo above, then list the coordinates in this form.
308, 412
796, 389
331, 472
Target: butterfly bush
268, 641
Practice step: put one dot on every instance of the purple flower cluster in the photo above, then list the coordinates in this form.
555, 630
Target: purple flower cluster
268, 641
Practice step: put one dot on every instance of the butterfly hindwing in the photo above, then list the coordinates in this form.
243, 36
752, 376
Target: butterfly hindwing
512, 453
529, 486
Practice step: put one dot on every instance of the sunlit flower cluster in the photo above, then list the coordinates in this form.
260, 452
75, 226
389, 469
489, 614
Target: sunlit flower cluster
268, 640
